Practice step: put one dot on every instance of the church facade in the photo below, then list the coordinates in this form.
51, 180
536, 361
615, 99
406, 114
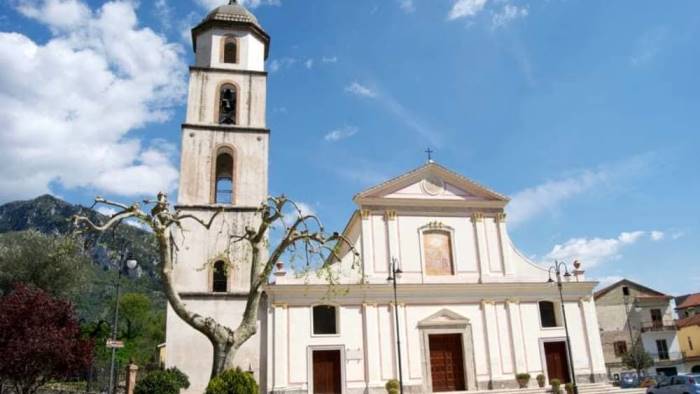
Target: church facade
470, 312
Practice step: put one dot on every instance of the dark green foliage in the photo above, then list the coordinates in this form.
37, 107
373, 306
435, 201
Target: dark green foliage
392, 386
637, 358
168, 381
53, 263
540, 380
556, 384
523, 379
233, 381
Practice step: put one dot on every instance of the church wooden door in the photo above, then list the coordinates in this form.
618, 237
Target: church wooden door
446, 362
557, 363
326, 370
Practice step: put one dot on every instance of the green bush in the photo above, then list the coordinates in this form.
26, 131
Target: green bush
168, 381
523, 379
556, 384
233, 381
569, 387
392, 386
540, 380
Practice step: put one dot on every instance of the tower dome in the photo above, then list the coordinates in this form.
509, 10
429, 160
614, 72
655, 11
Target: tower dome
232, 12
228, 16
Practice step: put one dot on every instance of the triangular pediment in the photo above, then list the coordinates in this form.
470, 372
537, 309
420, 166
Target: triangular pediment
444, 317
431, 182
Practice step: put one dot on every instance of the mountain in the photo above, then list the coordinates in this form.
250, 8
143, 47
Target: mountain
50, 215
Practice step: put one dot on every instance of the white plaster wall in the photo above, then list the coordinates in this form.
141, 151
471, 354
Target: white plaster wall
291, 350
202, 101
251, 51
192, 352
196, 167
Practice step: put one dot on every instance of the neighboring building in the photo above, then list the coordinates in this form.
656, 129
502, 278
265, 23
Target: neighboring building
688, 305
650, 317
473, 311
689, 329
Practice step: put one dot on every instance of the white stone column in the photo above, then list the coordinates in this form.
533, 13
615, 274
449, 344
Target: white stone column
504, 245
586, 333
488, 308
592, 335
516, 335
481, 254
280, 346
367, 245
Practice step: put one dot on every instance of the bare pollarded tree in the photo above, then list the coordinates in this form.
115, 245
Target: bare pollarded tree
301, 234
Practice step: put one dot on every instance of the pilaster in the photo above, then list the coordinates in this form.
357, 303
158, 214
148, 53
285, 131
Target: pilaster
504, 245
488, 308
481, 248
515, 326
393, 236
373, 366
280, 347
367, 243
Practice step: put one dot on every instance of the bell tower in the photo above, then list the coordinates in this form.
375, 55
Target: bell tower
224, 168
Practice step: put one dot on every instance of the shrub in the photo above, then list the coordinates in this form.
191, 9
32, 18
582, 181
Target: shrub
556, 384
569, 387
168, 381
540, 380
523, 379
233, 381
392, 386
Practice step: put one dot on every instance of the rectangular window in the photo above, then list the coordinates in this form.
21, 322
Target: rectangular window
548, 315
662, 348
325, 320
620, 348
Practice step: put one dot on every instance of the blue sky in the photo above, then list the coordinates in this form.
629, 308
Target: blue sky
584, 112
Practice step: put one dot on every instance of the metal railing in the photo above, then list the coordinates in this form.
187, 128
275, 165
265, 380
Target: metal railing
667, 356
666, 325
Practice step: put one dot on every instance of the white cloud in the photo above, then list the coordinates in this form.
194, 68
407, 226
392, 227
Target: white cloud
341, 133
309, 63
606, 281
508, 14
657, 235
211, 4
594, 251
532, 201
67, 106
393, 106
648, 46
407, 5
360, 90
291, 215
105, 210
329, 59
285, 62
57, 14
465, 8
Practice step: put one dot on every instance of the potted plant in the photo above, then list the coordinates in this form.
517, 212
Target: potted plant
523, 379
556, 384
569, 387
540, 380
392, 386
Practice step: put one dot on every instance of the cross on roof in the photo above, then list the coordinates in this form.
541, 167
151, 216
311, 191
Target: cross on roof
430, 154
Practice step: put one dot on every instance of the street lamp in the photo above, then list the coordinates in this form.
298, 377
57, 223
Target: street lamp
394, 273
126, 262
557, 268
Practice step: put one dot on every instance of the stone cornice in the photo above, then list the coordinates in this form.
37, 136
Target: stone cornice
228, 70
408, 202
200, 295
215, 207
231, 129
417, 293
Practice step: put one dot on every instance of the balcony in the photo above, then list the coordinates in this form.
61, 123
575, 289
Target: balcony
668, 325
663, 357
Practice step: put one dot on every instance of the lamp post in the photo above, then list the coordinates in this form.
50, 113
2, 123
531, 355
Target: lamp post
394, 273
127, 263
557, 268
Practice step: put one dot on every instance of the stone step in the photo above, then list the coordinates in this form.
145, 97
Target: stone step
595, 388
